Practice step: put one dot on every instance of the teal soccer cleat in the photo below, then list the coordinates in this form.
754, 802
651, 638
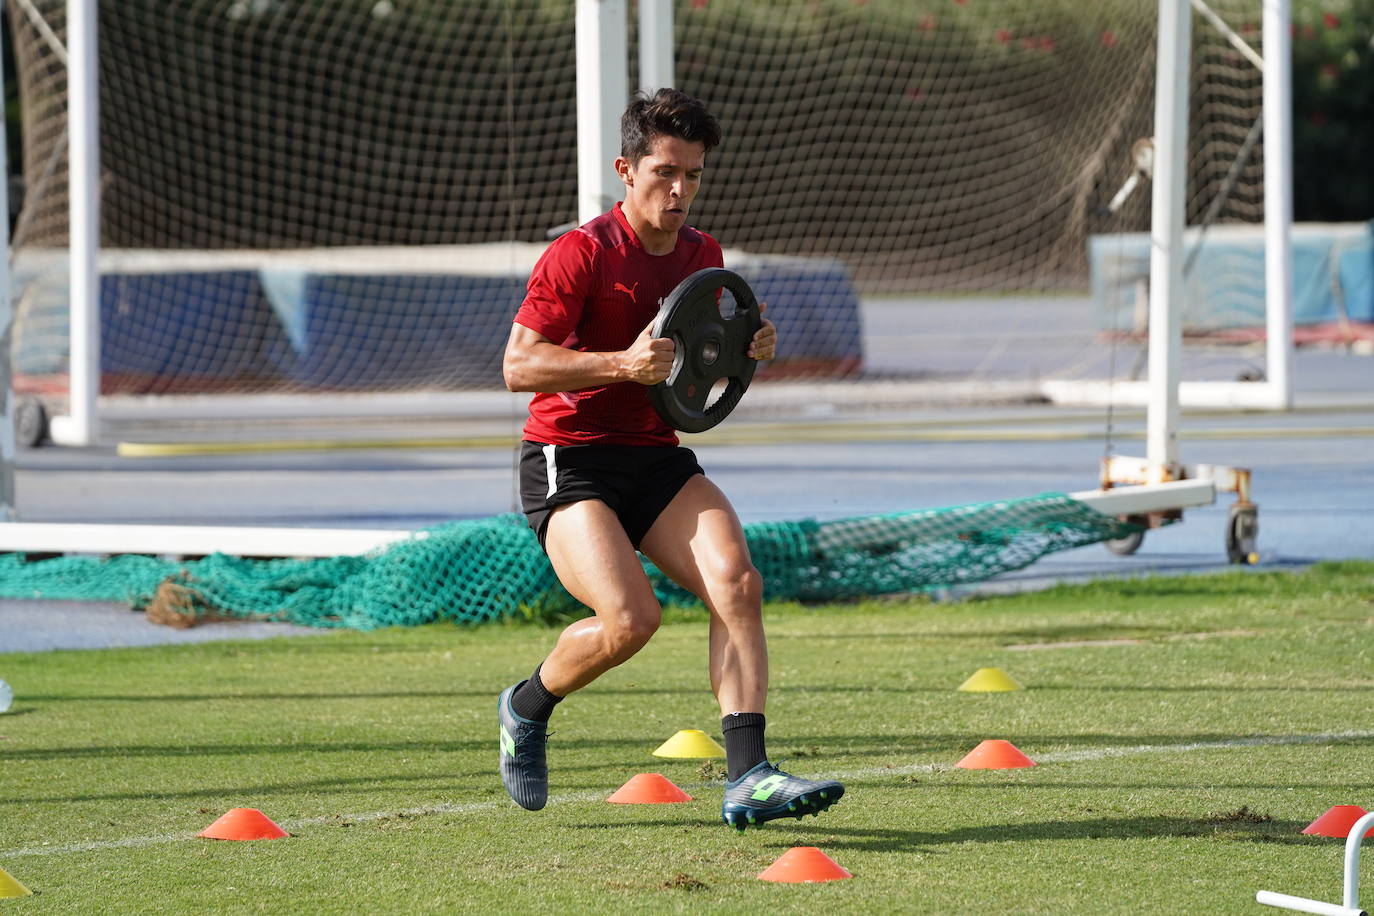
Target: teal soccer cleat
766, 793
524, 768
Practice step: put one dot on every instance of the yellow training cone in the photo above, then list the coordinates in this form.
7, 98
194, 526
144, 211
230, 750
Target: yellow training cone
10, 887
690, 742
989, 680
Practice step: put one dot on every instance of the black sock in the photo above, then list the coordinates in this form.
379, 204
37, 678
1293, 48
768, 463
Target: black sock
743, 733
533, 701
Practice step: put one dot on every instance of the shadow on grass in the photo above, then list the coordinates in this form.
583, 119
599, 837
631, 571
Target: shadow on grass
483, 695
1342, 789
296, 748
833, 838
1129, 828
1046, 637
978, 637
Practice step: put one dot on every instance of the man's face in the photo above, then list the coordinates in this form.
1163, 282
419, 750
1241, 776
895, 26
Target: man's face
662, 185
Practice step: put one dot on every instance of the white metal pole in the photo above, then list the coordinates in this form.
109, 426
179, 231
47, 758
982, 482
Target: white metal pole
79, 427
195, 540
1167, 217
1305, 904
7, 444
1278, 200
1350, 901
602, 91
1352, 859
656, 45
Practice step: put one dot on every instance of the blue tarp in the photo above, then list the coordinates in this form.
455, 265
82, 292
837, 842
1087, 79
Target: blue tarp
1333, 276
184, 329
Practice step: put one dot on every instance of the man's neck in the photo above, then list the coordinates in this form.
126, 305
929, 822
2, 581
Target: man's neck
655, 241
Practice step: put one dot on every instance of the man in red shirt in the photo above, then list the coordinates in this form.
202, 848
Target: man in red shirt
602, 475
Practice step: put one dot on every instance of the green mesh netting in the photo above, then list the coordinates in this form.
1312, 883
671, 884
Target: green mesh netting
476, 571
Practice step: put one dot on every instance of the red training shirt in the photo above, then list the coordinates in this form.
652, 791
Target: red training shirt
594, 290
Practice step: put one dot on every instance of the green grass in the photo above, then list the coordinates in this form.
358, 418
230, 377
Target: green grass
377, 751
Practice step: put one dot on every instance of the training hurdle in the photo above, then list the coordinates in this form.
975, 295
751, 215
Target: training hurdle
1351, 904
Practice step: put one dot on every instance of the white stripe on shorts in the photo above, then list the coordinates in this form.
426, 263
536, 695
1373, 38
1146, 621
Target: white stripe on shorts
551, 466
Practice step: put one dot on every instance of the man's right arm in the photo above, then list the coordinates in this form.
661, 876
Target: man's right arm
532, 362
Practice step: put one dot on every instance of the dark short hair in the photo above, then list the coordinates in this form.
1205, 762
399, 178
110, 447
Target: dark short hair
668, 113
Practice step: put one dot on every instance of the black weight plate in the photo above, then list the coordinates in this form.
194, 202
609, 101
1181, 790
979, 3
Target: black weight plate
709, 347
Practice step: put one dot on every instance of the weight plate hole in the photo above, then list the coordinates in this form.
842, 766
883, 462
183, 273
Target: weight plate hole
717, 390
727, 303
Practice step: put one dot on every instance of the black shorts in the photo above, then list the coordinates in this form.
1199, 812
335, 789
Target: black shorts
636, 481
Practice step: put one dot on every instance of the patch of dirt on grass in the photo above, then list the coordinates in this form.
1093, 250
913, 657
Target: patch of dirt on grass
1242, 815
683, 882
711, 771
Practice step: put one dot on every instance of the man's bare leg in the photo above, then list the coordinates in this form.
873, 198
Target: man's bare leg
597, 564
698, 542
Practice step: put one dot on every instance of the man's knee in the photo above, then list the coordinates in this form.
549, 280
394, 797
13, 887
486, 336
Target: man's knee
738, 589
626, 633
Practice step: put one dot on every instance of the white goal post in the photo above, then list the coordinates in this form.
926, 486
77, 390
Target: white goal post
80, 426
7, 433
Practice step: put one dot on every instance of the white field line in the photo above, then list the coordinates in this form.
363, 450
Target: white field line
287, 825
1098, 753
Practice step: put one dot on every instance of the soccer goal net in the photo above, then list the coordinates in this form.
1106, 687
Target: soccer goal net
329, 203
344, 199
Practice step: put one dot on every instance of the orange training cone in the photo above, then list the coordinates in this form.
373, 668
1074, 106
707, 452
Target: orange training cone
804, 864
243, 824
648, 789
10, 886
995, 754
1336, 822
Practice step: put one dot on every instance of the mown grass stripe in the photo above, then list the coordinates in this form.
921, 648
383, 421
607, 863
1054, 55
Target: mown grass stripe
1098, 753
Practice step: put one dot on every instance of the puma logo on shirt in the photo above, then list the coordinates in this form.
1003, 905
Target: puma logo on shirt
622, 288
